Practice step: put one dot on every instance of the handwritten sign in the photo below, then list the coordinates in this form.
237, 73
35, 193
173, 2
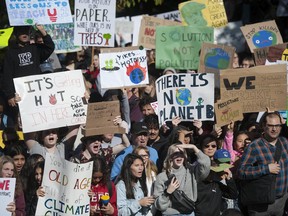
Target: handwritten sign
23, 12
51, 100
189, 96
66, 186
105, 113
171, 15
7, 190
123, 69
260, 55
95, 23
147, 33
257, 87
63, 37
203, 13
4, 36
228, 110
261, 35
179, 46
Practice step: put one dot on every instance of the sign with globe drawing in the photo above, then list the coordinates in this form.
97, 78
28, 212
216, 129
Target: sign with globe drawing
189, 96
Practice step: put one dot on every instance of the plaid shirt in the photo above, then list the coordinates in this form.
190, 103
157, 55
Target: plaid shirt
257, 156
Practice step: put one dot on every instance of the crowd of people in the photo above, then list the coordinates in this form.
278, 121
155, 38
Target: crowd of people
141, 170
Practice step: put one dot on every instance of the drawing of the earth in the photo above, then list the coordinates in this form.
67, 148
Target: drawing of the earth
264, 38
137, 76
217, 58
183, 96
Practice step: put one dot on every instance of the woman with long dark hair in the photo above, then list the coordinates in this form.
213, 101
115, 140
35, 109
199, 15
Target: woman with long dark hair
131, 188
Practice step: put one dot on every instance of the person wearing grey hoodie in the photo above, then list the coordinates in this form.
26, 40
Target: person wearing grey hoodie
185, 176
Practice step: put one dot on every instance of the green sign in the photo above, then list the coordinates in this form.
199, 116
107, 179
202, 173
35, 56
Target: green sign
179, 46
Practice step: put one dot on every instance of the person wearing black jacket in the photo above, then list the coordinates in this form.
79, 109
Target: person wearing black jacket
23, 58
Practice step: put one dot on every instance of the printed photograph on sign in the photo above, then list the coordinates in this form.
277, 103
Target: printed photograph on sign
203, 13
189, 96
123, 69
94, 23
35, 11
260, 35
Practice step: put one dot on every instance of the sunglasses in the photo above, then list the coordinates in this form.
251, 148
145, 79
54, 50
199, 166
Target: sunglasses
213, 146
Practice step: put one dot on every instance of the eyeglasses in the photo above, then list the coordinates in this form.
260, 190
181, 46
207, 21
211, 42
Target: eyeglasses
213, 146
277, 126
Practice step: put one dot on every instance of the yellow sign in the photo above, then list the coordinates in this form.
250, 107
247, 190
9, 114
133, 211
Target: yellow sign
2, 145
4, 36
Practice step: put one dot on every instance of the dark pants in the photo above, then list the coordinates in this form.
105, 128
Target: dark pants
275, 209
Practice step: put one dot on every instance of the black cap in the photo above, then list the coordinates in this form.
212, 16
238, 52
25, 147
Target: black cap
21, 30
139, 127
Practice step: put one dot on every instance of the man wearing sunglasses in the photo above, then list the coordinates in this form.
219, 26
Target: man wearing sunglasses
258, 160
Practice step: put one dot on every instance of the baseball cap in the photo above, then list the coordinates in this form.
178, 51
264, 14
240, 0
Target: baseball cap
220, 167
139, 127
222, 156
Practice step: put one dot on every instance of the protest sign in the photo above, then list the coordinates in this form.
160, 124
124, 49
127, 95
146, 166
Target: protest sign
124, 26
66, 186
136, 28
147, 31
19, 133
261, 35
124, 31
257, 87
277, 52
215, 57
63, 37
123, 69
5, 34
189, 96
7, 190
203, 13
51, 100
228, 110
105, 113
23, 12
118, 49
94, 23
179, 46
231, 35
171, 15
260, 55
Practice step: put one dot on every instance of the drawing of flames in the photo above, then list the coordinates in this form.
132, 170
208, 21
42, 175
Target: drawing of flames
136, 72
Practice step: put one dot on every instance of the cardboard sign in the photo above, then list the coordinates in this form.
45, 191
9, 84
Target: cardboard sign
5, 34
7, 190
137, 23
203, 13
105, 113
123, 69
95, 23
257, 87
189, 96
147, 33
260, 55
51, 100
228, 110
23, 12
277, 52
118, 49
261, 35
171, 15
63, 37
178, 46
66, 186
214, 58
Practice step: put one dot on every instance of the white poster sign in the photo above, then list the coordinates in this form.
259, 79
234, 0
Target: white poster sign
189, 96
30, 12
51, 100
7, 190
66, 186
95, 23
123, 69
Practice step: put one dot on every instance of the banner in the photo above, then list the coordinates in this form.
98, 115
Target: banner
179, 46
147, 33
95, 23
23, 12
257, 87
7, 190
66, 186
63, 37
123, 69
189, 96
5, 34
228, 110
51, 100
261, 35
203, 13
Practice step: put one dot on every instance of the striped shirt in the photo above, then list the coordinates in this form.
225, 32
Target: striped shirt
257, 156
